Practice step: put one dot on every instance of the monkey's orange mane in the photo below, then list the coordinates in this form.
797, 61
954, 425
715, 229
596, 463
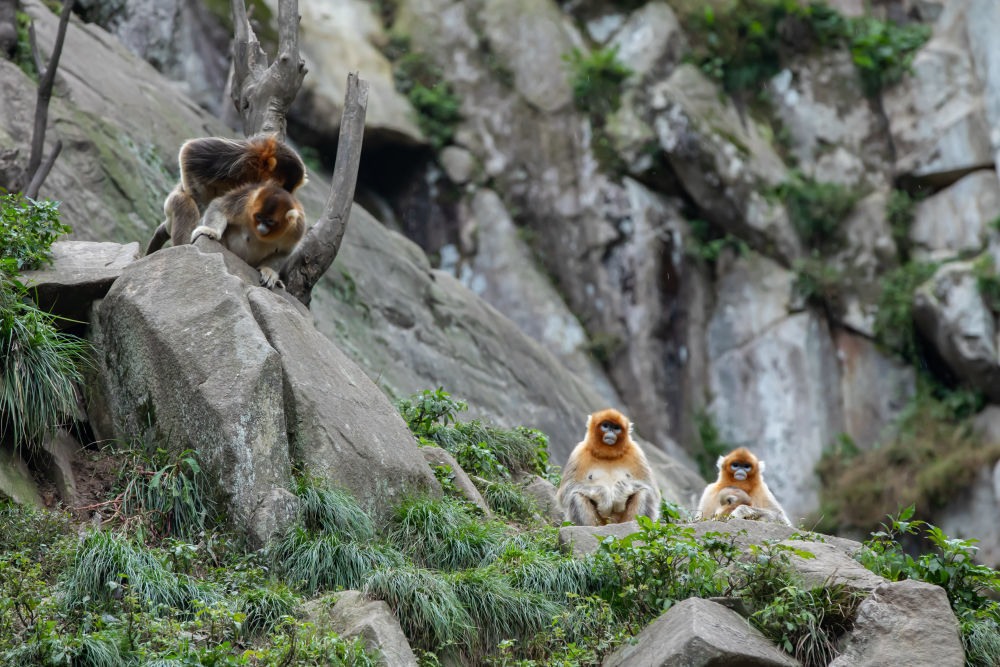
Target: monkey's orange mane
267, 158
741, 455
597, 448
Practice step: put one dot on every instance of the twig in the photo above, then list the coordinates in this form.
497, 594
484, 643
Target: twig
319, 247
45, 94
36, 57
31, 192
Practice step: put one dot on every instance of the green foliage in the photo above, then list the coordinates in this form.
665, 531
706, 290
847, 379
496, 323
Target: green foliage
932, 454
894, 326
971, 587
332, 510
426, 605
819, 282
109, 565
745, 44
899, 211
816, 209
22, 52
27, 230
40, 370
988, 281
429, 410
552, 574
167, 493
883, 52
806, 623
264, 608
596, 79
436, 104
712, 444
705, 244
508, 499
444, 535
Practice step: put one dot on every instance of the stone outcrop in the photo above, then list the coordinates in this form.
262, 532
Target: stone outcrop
696, 632
903, 622
437, 456
956, 220
350, 615
80, 273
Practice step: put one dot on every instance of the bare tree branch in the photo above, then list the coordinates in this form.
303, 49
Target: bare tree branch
319, 247
31, 192
263, 93
45, 94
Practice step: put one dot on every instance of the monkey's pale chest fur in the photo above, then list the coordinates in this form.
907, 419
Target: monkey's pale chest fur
608, 475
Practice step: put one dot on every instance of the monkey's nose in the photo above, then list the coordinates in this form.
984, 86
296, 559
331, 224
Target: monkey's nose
740, 474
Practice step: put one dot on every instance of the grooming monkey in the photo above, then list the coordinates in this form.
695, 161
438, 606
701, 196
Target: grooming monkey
211, 167
259, 222
607, 478
740, 472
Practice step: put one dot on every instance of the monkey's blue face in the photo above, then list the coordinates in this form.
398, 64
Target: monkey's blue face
740, 469
610, 432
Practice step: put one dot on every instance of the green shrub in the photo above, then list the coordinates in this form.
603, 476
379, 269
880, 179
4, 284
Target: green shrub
894, 327
22, 53
807, 623
899, 211
442, 534
816, 209
314, 561
264, 608
704, 243
429, 410
971, 587
41, 368
27, 230
436, 104
882, 51
596, 79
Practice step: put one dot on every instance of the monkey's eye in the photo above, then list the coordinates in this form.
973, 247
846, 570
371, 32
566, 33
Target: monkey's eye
264, 220
610, 426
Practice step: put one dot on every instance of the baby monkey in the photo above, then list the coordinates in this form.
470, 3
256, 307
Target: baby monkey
259, 222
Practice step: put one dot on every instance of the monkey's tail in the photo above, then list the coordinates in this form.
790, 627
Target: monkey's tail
160, 237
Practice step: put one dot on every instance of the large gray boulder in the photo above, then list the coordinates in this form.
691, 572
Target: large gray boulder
699, 633
903, 623
350, 615
340, 426
951, 313
184, 365
16, 481
437, 456
80, 273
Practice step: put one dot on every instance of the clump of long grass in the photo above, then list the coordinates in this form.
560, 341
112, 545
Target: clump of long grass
508, 499
554, 574
315, 560
499, 610
442, 534
425, 602
332, 510
110, 565
264, 608
515, 449
169, 493
40, 370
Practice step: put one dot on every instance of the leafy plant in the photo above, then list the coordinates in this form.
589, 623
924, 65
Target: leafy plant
899, 211
883, 51
705, 244
27, 230
22, 52
168, 493
816, 209
806, 623
596, 79
987, 280
429, 410
436, 104
894, 326
950, 564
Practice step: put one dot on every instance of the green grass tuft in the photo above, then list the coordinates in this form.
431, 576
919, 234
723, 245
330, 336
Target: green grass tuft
332, 510
508, 499
442, 534
264, 608
313, 561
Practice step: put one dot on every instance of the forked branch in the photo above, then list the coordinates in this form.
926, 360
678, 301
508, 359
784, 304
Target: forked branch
264, 92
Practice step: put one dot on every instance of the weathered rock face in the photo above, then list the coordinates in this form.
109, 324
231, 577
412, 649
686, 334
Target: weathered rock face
437, 456
956, 220
188, 367
901, 621
951, 312
81, 272
182, 39
350, 615
769, 377
835, 133
16, 481
699, 632
337, 38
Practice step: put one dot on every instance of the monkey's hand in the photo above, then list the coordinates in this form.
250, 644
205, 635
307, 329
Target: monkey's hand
203, 230
624, 489
602, 497
269, 277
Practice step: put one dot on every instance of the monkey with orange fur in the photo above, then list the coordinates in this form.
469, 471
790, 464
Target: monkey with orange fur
740, 491
212, 166
607, 478
261, 223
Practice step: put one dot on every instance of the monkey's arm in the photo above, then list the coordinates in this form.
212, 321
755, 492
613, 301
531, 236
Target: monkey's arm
707, 503
583, 504
760, 514
644, 501
271, 267
213, 225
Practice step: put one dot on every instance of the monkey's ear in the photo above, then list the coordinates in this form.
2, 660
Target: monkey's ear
589, 417
760, 466
719, 461
292, 216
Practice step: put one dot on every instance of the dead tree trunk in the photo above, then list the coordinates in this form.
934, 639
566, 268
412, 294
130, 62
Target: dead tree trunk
262, 94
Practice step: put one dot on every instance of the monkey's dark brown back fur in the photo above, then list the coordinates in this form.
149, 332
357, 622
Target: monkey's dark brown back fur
222, 164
